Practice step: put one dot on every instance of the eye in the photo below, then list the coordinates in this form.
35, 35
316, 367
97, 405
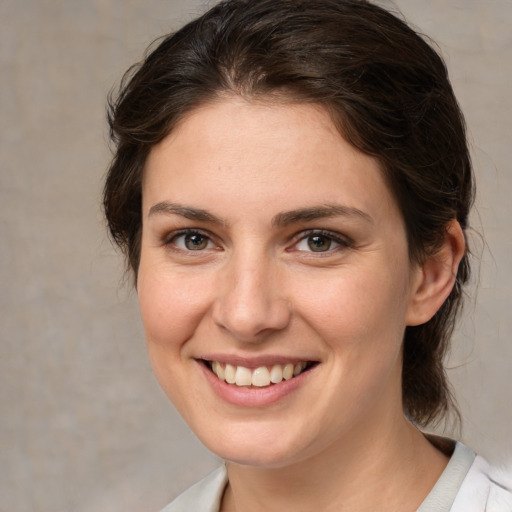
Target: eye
191, 241
319, 241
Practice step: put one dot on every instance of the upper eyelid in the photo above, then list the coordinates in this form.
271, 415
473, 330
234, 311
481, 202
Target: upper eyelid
338, 237
186, 231
169, 237
343, 243
295, 239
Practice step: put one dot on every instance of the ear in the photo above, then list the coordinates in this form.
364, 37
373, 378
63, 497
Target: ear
434, 279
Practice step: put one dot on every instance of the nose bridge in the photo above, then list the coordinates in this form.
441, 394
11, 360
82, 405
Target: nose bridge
251, 301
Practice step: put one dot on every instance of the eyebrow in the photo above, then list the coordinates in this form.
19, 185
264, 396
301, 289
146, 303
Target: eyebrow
166, 208
281, 219
319, 212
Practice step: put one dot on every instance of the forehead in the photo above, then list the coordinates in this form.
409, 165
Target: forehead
259, 154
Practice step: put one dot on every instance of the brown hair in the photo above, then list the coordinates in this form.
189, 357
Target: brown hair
384, 86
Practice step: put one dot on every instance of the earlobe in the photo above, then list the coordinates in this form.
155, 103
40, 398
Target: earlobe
433, 281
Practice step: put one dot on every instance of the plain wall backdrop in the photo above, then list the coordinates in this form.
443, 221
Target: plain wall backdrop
83, 424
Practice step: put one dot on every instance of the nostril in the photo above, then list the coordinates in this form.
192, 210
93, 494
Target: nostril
250, 321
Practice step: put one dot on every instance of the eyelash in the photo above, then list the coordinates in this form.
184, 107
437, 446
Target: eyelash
342, 242
171, 240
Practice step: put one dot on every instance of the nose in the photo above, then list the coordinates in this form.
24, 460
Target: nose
250, 303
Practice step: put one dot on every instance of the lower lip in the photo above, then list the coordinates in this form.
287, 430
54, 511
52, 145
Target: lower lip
253, 396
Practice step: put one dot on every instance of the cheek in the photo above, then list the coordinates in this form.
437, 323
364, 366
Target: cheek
357, 309
360, 316
171, 307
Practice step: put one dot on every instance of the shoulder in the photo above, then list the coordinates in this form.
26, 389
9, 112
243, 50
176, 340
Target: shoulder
205, 495
469, 484
485, 488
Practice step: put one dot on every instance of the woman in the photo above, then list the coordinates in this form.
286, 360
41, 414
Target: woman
291, 188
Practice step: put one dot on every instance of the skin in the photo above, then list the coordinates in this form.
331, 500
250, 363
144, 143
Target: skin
339, 441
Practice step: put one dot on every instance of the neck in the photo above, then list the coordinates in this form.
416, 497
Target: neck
388, 466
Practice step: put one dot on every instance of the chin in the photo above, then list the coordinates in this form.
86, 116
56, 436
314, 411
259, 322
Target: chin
256, 457
258, 445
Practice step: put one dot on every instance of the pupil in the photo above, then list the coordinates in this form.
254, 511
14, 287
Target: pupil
195, 242
319, 243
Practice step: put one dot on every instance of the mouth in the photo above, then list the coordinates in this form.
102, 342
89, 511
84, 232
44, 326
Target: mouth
260, 377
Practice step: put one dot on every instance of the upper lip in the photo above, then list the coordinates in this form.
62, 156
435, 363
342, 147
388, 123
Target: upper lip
255, 361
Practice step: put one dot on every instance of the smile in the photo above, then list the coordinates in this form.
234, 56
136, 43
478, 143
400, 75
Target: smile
260, 377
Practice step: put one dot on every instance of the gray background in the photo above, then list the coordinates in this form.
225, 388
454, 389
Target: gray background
83, 425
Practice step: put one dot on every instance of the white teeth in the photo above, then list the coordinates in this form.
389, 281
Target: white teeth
243, 376
276, 374
229, 374
288, 371
260, 377
218, 370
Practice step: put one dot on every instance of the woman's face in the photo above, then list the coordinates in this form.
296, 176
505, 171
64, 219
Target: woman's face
271, 245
